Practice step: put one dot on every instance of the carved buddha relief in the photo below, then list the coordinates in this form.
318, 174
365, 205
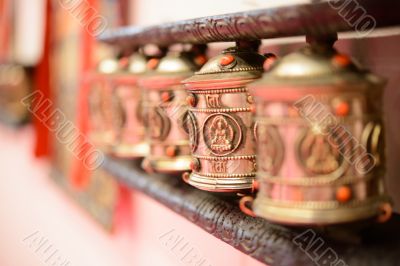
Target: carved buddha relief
222, 134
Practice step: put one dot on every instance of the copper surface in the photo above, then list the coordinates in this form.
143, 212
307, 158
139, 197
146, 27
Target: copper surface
310, 162
164, 107
220, 121
127, 105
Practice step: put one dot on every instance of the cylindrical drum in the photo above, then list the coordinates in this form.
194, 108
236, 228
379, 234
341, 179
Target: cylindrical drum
220, 121
320, 140
164, 110
127, 108
101, 133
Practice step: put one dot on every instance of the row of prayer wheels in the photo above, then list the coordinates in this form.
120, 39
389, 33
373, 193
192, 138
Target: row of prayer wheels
302, 134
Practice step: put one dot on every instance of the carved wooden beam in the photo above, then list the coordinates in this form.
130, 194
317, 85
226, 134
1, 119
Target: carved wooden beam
271, 244
319, 18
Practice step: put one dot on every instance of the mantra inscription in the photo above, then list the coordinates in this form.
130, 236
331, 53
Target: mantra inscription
219, 166
213, 101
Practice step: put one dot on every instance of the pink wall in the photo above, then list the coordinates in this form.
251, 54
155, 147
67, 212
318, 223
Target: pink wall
33, 208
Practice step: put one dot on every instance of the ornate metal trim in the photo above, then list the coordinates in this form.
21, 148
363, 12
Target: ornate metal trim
225, 175
241, 69
222, 110
220, 91
226, 158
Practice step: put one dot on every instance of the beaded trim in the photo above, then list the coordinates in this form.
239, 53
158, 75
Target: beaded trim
223, 110
226, 158
225, 175
240, 69
220, 91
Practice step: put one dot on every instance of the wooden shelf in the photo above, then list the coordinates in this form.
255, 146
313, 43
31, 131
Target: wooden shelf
377, 244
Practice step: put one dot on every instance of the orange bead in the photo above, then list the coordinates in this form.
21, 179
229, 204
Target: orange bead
342, 109
123, 62
191, 100
269, 61
343, 194
253, 109
170, 151
341, 60
166, 96
200, 60
152, 63
226, 60
256, 185
292, 112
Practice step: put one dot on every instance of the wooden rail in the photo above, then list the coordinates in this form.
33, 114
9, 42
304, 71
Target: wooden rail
378, 244
296, 20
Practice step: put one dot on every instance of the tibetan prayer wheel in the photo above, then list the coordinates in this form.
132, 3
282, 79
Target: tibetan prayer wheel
320, 140
127, 108
219, 121
164, 103
101, 128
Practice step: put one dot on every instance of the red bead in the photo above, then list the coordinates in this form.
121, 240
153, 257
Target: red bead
166, 96
253, 109
341, 60
343, 194
170, 151
226, 60
123, 62
200, 60
342, 109
152, 63
191, 100
293, 112
269, 61
256, 185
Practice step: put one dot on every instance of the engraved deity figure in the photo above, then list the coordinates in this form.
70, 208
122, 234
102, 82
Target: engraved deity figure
156, 123
322, 159
222, 134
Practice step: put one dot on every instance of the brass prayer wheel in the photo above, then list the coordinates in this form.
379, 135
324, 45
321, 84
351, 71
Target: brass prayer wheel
101, 127
320, 140
220, 121
164, 107
127, 108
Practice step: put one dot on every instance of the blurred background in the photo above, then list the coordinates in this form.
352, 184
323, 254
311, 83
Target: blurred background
45, 46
